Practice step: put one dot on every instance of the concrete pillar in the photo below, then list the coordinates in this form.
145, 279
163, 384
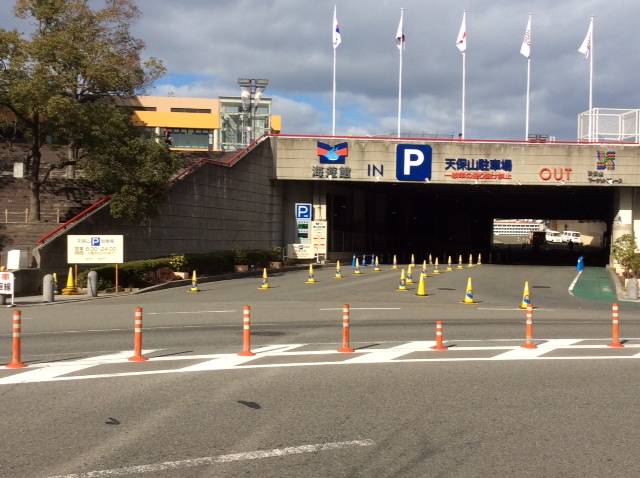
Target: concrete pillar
216, 140
92, 284
623, 214
47, 288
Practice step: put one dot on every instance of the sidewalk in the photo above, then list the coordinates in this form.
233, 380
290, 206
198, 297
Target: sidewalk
601, 284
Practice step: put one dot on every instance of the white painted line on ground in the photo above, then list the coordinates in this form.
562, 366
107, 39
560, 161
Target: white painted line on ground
366, 308
543, 348
210, 460
413, 346
516, 308
192, 312
574, 283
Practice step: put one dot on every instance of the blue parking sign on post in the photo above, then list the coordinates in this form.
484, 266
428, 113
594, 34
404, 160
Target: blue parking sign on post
303, 211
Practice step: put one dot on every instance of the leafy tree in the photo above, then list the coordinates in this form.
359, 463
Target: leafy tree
59, 83
624, 251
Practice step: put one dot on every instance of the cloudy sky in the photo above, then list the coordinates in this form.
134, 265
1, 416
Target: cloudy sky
206, 45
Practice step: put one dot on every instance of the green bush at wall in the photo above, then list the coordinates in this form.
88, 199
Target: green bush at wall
136, 273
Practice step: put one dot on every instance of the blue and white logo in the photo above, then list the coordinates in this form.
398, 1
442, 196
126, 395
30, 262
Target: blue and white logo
303, 211
413, 162
95, 242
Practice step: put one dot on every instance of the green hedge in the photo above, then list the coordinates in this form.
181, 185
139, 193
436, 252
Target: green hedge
132, 274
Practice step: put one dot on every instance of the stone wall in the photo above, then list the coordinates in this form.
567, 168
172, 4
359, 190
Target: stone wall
212, 207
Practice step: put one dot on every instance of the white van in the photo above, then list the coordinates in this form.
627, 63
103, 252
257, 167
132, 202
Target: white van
572, 236
553, 236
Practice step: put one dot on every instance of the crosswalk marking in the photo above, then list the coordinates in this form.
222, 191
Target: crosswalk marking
298, 355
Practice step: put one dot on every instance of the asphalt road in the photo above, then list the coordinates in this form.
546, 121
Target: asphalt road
394, 408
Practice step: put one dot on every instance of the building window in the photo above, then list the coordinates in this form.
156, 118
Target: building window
190, 110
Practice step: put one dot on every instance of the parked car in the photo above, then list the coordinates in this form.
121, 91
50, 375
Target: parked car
553, 236
572, 236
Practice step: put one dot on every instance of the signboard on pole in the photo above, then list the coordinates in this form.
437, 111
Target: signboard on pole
103, 249
6, 284
319, 236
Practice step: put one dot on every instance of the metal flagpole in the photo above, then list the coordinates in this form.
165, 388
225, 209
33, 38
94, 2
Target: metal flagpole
464, 75
591, 84
401, 47
526, 129
333, 133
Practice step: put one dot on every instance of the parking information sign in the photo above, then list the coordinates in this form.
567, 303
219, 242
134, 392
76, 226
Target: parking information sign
95, 249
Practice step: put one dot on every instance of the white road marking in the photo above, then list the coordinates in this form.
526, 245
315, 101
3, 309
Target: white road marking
210, 460
56, 371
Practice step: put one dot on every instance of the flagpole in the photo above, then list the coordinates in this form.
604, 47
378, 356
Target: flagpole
333, 133
526, 127
464, 77
401, 46
591, 86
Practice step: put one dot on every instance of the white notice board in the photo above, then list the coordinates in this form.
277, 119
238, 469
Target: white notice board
96, 249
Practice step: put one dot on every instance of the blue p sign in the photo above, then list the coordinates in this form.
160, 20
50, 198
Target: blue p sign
303, 211
413, 162
95, 242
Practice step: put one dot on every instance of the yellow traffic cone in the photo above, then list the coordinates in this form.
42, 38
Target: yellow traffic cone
424, 269
413, 261
409, 275
436, 269
357, 270
265, 280
460, 262
468, 298
479, 259
395, 262
194, 283
470, 260
71, 288
403, 282
377, 267
421, 288
526, 297
311, 280
338, 271
430, 261
449, 268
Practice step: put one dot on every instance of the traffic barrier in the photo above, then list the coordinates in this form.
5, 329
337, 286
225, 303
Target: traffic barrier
616, 328
246, 333
395, 262
449, 268
470, 260
439, 345
194, 283
137, 338
338, 271
311, 279
17, 327
436, 269
56, 290
526, 297
422, 292
403, 282
357, 271
377, 266
409, 275
460, 262
265, 280
468, 297
346, 348
529, 332
71, 288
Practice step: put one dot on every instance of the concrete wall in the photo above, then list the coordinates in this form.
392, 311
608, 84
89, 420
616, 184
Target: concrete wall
212, 208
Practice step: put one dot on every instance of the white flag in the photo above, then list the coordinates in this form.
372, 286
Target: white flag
525, 49
461, 42
400, 34
585, 49
336, 30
